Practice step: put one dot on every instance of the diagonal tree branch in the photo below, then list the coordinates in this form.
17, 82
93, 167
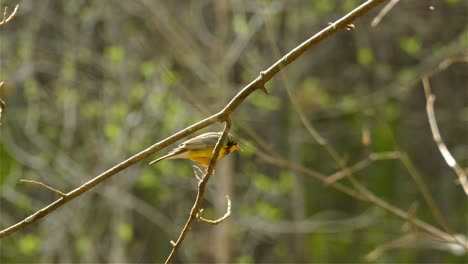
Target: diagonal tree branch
7, 17
365, 195
258, 83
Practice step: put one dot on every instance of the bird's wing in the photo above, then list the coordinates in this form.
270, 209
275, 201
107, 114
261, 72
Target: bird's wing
176, 153
202, 142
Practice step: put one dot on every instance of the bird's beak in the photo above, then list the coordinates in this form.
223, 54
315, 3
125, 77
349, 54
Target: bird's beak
239, 148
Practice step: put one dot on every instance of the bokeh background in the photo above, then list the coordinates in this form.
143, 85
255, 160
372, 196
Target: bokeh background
89, 83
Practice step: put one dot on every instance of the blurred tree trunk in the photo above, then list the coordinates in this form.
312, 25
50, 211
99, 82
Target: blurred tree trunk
222, 245
297, 201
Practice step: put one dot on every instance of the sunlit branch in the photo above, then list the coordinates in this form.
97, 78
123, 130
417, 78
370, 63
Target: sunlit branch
44, 186
219, 220
258, 83
449, 159
7, 17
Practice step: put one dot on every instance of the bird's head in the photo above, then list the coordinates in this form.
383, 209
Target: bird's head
233, 143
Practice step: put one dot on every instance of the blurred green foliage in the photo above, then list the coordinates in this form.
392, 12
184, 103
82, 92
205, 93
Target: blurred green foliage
90, 83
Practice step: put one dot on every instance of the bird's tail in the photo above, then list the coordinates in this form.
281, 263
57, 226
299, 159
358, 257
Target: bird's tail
171, 155
156, 160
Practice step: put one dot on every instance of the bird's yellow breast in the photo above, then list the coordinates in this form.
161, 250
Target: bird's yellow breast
203, 156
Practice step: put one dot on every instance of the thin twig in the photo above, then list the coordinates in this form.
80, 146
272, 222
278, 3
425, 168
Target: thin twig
412, 210
6, 17
44, 186
424, 190
275, 160
201, 192
2, 104
419, 182
441, 66
402, 241
197, 172
258, 83
383, 12
361, 165
451, 162
219, 220
364, 194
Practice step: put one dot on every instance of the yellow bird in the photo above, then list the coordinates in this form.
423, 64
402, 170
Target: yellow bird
200, 149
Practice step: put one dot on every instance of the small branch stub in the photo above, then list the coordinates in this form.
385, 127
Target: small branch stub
198, 173
44, 186
350, 27
265, 90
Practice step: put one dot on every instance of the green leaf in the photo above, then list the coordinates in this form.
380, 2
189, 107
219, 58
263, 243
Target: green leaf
405, 75
267, 211
147, 69
286, 182
170, 77
125, 232
411, 45
92, 109
262, 183
268, 103
323, 6
115, 54
138, 92
349, 5
31, 90
29, 244
147, 180
365, 56
392, 112
244, 260
118, 111
111, 131
348, 103
83, 244
311, 94
240, 25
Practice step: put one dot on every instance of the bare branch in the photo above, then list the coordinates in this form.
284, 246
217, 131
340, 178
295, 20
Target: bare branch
6, 17
2, 104
366, 195
424, 190
402, 241
451, 162
403, 158
219, 220
258, 83
361, 165
383, 12
412, 210
44, 186
277, 161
